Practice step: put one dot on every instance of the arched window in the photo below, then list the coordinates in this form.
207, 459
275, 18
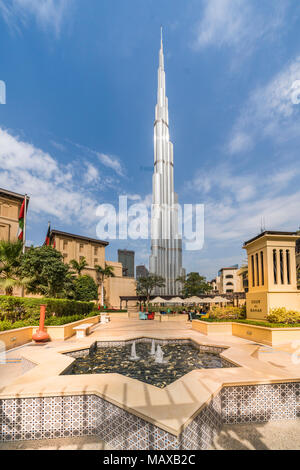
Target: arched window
229, 283
252, 265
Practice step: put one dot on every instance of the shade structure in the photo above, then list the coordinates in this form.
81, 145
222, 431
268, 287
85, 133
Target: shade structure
218, 300
175, 300
192, 300
158, 300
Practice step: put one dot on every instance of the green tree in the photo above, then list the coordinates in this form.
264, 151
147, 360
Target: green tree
195, 285
48, 274
146, 285
85, 288
102, 274
10, 266
78, 266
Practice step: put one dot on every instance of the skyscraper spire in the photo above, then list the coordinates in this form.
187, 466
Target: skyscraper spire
166, 245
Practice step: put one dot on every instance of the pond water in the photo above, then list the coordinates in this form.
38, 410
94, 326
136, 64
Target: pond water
179, 359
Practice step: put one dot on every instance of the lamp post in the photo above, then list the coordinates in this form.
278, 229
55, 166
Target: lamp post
41, 336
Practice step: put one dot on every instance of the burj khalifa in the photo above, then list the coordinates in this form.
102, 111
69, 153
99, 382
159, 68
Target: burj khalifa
166, 242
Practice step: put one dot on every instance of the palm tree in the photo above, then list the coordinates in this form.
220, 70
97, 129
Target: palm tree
10, 263
102, 274
79, 267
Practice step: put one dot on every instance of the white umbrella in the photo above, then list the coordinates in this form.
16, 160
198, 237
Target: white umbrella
158, 300
218, 300
175, 300
192, 300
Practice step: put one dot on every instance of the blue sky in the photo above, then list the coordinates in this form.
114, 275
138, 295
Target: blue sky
77, 128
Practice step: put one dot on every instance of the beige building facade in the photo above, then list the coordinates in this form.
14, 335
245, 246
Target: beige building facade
78, 247
10, 205
272, 273
229, 281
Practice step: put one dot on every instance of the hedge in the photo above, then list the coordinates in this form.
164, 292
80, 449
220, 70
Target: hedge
51, 321
251, 322
22, 308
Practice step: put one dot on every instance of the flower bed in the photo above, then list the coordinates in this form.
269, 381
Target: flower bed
257, 331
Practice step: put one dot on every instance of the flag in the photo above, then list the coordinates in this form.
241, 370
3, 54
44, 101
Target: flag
47, 240
21, 221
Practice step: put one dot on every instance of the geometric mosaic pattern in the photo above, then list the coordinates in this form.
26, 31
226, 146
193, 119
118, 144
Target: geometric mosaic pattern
70, 416
58, 417
260, 403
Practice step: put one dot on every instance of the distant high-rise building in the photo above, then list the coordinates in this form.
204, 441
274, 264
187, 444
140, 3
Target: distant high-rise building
141, 271
126, 257
166, 243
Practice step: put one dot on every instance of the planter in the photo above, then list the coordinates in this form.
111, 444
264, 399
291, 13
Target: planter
179, 317
258, 334
265, 335
63, 332
212, 328
16, 337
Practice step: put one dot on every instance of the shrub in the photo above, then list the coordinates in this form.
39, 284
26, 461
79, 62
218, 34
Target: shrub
282, 315
21, 308
228, 313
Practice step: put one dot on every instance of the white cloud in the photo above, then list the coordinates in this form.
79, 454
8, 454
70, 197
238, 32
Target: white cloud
236, 202
92, 174
270, 111
111, 162
240, 142
49, 14
53, 188
239, 23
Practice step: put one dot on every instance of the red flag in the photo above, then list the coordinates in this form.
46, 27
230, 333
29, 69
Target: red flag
47, 240
21, 221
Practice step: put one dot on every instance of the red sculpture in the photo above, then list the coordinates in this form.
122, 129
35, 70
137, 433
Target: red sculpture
41, 336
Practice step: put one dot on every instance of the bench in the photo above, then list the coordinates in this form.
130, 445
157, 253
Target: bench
83, 330
104, 318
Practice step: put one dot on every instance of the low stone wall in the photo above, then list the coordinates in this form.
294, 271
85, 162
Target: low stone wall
83, 415
63, 332
258, 334
174, 317
212, 328
16, 337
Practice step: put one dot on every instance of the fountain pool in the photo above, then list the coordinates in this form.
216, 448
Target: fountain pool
178, 360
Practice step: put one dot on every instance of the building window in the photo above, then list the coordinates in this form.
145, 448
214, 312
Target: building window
262, 268
281, 266
229, 276
95, 261
253, 277
228, 291
288, 266
81, 258
229, 284
257, 270
275, 266
95, 251
65, 245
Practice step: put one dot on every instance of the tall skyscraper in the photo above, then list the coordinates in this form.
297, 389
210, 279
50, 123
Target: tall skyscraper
126, 257
166, 243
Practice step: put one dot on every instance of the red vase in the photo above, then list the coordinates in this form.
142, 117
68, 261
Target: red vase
41, 336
